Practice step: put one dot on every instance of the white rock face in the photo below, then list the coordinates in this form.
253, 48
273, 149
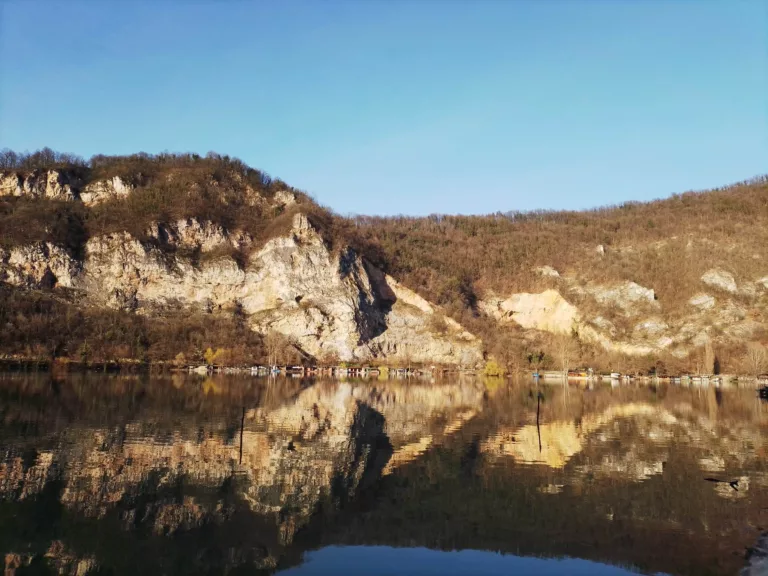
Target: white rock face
550, 312
651, 327
122, 272
39, 264
626, 317
62, 185
10, 184
331, 305
103, 190
52, 184
194, 234
338, 306
547, 311
284, 198
625, 296
702, 301
720, 279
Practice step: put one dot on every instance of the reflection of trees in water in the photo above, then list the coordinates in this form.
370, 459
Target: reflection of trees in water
170, 449
180, 491
672, 521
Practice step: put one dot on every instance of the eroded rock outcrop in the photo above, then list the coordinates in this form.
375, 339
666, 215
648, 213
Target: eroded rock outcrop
42, 264
639, 324
53, 184
550, 312
624, 295
547, 311
103, 190
720, 279
702, 301
330, 304
62, 185
193, 234
547, 271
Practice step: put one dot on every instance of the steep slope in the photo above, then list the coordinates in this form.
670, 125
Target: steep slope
679, 283
663, 279
282, 276
627, 318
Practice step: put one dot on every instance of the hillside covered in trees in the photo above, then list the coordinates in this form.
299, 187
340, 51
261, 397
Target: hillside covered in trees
667, 244
656, 285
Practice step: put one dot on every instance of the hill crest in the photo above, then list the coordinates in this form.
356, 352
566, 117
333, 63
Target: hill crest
657, 282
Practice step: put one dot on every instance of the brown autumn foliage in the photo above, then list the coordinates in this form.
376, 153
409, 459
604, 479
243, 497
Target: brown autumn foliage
43, 325
451, 260
167, 187
24, 221
665, 245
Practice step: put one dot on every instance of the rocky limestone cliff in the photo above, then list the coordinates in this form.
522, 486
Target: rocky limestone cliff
62, 185
39, 265
547, 311
103, 190
734, 314
192, 234
67, 185
149, 233
54, 184
330, 304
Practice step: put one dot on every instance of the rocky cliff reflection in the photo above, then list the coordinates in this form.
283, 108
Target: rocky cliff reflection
181, 475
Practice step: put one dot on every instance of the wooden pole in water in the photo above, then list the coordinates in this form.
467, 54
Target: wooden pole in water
538, 406
242, 425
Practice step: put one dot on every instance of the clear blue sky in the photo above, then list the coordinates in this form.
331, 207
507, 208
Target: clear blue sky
404, 106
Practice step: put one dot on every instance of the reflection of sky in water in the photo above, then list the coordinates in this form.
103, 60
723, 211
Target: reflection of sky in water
386, 561
663, 479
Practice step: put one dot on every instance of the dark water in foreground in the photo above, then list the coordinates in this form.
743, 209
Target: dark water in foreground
177, 475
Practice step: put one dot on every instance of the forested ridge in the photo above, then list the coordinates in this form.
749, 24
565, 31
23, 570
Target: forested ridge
453, 261
454, 258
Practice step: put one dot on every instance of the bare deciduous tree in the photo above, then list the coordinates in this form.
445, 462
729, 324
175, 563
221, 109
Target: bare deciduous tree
756, 358
275, 345
564, 347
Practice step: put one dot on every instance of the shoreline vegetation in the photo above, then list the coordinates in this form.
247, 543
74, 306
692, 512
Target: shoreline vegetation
364, 371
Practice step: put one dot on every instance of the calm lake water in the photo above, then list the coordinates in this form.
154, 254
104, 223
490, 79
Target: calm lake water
187, 475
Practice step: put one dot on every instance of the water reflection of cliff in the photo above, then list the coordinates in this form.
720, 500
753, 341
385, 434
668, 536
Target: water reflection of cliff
628, 476
192, 476
283, 455
646, 432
